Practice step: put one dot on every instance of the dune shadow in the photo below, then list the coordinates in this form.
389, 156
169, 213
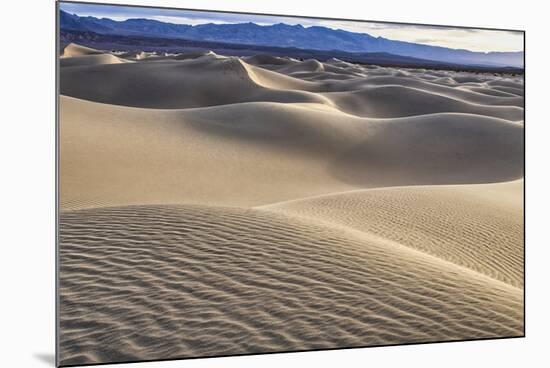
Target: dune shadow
434, 150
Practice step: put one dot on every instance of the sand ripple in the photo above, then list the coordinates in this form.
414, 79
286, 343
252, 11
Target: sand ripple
476, 226
148, 282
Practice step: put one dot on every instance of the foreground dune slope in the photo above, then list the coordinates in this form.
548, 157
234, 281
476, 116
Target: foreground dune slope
112, 155
180, 281
476, 226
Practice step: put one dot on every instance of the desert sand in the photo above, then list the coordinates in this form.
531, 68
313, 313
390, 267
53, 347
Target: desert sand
215, 205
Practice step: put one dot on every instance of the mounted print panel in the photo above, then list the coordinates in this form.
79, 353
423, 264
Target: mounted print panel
236, 183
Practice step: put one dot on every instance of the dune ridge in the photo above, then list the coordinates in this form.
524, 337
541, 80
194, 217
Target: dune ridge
215, 204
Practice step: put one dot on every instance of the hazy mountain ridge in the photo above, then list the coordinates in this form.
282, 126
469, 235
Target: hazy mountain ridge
283, 35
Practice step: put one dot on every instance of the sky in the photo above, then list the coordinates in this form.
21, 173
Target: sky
456, 38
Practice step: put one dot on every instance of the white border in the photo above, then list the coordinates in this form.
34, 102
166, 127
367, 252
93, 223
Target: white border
27, 155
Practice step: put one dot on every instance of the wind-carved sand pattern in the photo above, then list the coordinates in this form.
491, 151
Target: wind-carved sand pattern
216, 205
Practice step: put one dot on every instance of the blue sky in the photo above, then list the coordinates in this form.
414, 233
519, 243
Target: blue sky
470, 39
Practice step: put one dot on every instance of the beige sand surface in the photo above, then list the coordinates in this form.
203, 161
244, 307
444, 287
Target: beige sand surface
74, 49
476, 226
258, 153
181, 281
221, 205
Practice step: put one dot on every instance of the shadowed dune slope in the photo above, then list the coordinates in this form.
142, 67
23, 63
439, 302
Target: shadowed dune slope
265, 59
434, 149
475, 226
195, 55
112, 155
182, 281
397, 101
205, 81
419, 83
489, 91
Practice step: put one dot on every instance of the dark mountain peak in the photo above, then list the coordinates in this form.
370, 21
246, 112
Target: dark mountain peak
204, 25
67, 15
141, 20
247, 24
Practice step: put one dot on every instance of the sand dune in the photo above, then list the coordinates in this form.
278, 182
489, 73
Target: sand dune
476, 226
77, 55
379, 102
310, 65
445, 90
182, 84
201, 79
181, 281
113, 155
89, 60
263, 60
518, 91
195, 55
135, 55
117, 155
73, 49
213, 205
490, 91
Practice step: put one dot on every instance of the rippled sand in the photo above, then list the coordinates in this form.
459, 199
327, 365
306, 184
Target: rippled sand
217, 205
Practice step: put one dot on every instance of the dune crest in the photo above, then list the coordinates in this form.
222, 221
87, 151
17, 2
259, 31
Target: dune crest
74, 49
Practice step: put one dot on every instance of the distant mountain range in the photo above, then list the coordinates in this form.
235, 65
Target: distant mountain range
283, 35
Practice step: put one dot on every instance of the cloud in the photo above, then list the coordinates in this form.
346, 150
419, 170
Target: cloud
427, 40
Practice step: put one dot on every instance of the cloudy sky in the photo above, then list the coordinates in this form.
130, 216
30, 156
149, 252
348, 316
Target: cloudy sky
458, 38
